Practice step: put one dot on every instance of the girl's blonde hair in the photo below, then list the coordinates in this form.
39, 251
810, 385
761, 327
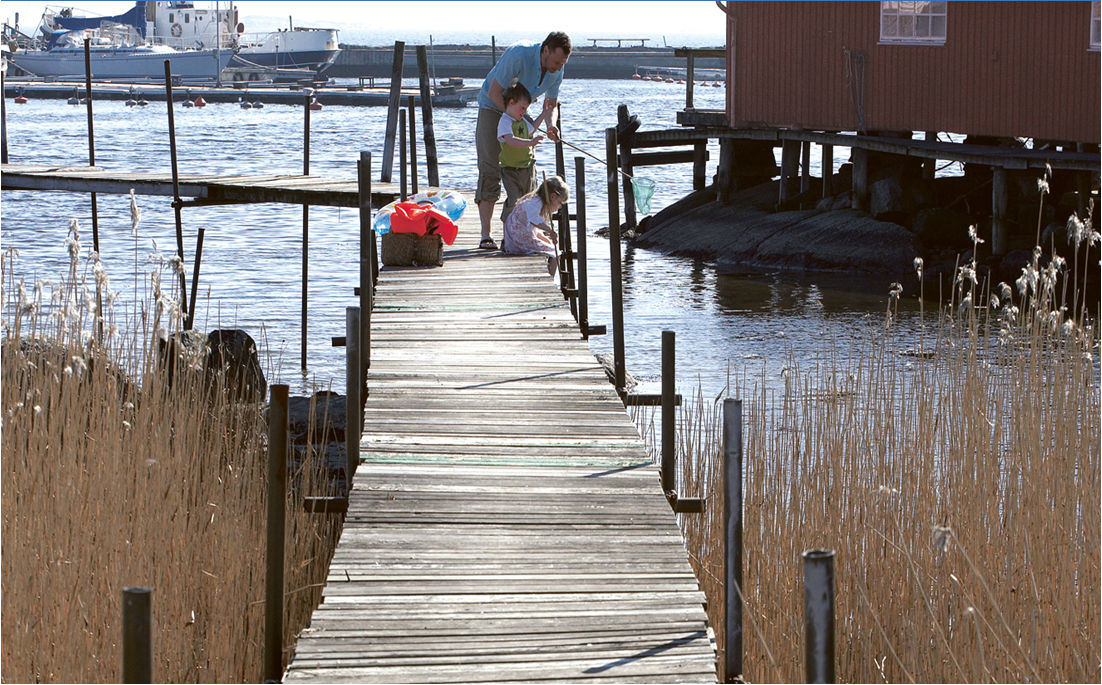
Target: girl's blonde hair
552, 186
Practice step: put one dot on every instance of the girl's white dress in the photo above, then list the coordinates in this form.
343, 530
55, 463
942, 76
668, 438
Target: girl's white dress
521, 233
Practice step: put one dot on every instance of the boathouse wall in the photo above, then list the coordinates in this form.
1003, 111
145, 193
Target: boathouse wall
1006, 69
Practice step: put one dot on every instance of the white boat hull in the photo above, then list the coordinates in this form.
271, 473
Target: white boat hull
123, 63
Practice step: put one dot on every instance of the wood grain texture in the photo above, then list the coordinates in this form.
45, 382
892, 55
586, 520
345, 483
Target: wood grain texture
505, 523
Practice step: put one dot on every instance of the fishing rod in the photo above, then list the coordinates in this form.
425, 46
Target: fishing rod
620, 171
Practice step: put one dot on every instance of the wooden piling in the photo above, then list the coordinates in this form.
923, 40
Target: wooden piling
432, 166
305, 231
352, 383
392, 111
700, 161
369, 265
929, 166
92, 147
859, 194
3, 122
566, 263
403, 175
732, 539
669, 475
622, 119
805, 166
583, 272
615, 270
819, 616
278, 438
826, 169
412, 145
689, 77
137, 635
999, 201
790, 165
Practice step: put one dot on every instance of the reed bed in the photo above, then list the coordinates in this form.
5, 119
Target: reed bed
113, 476
958, 486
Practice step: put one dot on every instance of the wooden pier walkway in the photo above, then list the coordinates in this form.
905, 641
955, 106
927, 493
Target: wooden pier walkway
505, 523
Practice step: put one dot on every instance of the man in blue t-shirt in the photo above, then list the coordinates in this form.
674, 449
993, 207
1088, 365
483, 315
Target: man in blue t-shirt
539, 68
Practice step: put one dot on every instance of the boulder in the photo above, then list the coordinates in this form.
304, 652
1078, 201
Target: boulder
609, 363
886, 200
941, 228
233, 352
317, 419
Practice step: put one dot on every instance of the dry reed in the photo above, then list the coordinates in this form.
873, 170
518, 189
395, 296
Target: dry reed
112, 477
958, 486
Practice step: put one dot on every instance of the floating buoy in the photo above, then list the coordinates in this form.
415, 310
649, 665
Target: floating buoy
200, 102
21, 99
669, 79
74, 100
636, 75
315, 105
188, 102
258, 105
244, 103
717, 84
141, 101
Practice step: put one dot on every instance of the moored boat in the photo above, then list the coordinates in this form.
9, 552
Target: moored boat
120, 61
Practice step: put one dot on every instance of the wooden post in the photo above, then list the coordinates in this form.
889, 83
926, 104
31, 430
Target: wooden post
999, 201
176, 206
583, 273
278, 435
669, 457
493, 51
689, 76
353, 403
3, 122
859, 194
137, 635
732, 537
305, 229
195, 275
929, 166
622, 119
700, 161
392, 111
369, 264
723, 172
826, 169
805, 166
615, 275
566, 262
819, 616
432, 167
412, 145
790, 165
403, 193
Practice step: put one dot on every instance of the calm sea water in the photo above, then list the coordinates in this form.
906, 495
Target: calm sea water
250, 275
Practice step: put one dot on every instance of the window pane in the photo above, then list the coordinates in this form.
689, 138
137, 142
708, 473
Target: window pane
889, 27
922, 27
937, 28
906, 26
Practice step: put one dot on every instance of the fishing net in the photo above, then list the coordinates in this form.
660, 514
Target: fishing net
643, 190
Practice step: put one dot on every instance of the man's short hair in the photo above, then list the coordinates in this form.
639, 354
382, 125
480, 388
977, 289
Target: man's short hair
557, 39
516, 92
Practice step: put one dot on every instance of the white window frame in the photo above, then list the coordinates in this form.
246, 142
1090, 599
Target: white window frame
913, 22
1096, 26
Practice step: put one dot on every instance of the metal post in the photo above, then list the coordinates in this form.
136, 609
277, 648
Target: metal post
369, 264
669, 463
402, 174
91, 139
583, 275
819, 615
392, 111
278, 437
195, 276
432, 167
137, 635
305, 229
732, 536
353, 403
176, 206
3, 121
412, 145
614, 264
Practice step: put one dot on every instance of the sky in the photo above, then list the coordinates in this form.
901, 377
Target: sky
627, 19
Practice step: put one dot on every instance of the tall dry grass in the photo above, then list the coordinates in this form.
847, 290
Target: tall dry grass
113, 477
959, 487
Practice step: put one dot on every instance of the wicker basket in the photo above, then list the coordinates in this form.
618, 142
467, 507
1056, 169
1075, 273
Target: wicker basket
407, 249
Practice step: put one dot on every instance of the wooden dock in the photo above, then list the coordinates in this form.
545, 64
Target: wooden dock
505, 523
201, 189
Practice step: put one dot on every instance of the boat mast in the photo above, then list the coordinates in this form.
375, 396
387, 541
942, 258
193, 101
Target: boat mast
218, 44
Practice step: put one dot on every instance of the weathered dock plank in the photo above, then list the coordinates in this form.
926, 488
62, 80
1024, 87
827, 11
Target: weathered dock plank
505, 523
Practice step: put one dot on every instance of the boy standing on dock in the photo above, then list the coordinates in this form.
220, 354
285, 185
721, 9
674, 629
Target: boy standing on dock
517, 157
538, 67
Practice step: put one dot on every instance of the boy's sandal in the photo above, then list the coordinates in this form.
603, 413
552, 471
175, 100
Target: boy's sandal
487, 243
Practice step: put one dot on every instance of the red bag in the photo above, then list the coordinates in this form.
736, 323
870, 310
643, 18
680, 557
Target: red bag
410, 217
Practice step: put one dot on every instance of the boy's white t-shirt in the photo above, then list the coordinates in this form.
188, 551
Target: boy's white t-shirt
504, 126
